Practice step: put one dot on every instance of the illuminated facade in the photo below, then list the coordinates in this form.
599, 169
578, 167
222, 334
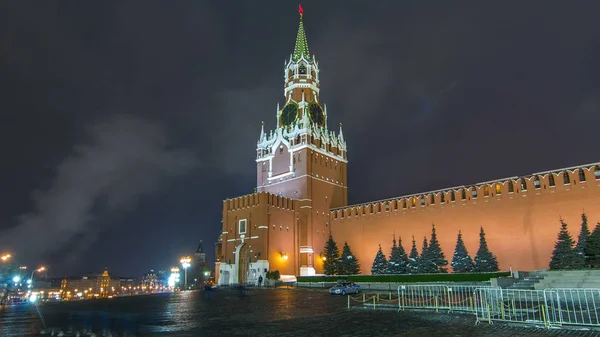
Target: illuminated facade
301, 197
90, 286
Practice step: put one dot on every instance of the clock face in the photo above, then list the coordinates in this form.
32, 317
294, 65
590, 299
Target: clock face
316, 114
289, 114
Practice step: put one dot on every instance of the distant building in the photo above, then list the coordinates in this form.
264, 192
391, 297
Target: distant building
90, 286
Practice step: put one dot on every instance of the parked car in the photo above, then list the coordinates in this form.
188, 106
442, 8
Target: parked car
343, 288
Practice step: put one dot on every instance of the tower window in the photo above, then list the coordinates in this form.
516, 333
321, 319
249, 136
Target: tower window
414, 201
432, 199
597, 172
511, 187
486, 191
566, 178
498, 188
302, 69
387, 205
474, 192
464, 194
523, 184
242, 226
442, 197
536, 182
452, 196
551, 181
581, 175
404, 203
422, 201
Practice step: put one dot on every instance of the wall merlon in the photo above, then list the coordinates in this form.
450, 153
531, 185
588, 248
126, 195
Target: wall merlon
542, 182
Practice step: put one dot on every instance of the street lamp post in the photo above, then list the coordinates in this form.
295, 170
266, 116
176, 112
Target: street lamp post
40, 269
185, 263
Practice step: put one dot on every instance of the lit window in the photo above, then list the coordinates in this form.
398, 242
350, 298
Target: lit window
536, 182
486, 191
597, 172
422, 201
474, 192
498, 188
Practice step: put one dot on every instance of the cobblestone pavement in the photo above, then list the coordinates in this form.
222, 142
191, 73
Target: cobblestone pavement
263, 313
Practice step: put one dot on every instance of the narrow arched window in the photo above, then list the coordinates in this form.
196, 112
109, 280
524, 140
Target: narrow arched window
566, 178
581, 175
551, 181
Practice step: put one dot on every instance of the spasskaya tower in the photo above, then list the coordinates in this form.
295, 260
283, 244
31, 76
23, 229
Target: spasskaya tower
301, 158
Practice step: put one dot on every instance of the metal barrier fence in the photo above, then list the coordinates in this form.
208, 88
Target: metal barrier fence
438, 297
550, 308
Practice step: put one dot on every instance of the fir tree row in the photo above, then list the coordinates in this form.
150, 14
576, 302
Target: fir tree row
432, 259
336, 264
568, 255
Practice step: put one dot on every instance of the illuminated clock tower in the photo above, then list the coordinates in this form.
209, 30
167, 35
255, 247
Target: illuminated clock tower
301, 158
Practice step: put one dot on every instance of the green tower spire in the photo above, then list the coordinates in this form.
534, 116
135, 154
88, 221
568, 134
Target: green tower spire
301, 48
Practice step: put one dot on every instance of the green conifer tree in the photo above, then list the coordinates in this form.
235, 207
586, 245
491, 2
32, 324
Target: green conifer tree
564, 256
425, 265
332, 255
461, 261
485, 261
592, 249
348, 264
584, 235
398, 260
379, 263
436, 255
413, 259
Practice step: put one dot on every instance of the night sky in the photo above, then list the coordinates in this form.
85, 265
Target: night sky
126, 123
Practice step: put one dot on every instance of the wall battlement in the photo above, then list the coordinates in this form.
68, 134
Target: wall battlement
256, 199
537, 183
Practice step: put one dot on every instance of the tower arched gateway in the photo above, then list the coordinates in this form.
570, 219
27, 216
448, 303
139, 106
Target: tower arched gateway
301, 197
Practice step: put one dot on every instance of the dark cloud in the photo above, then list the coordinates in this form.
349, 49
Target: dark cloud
124, 159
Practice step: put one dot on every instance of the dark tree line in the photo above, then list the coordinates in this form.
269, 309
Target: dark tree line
568, 255
335, 263
432, 258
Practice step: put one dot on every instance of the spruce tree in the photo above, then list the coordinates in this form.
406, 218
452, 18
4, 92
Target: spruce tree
436, 255
592, 249
461, 261
564, 255
584, 235
348, 264
379, 263
413, 259
332, 255
398, 260
425, 265
485, 261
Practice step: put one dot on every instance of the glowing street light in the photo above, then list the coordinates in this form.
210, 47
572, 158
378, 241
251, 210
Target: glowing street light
185, 263
40, 269
5, 257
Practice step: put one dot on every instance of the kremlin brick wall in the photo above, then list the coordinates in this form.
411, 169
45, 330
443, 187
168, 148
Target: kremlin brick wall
521, 226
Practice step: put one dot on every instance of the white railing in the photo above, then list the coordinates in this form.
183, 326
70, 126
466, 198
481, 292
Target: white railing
548, 307
438, 297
